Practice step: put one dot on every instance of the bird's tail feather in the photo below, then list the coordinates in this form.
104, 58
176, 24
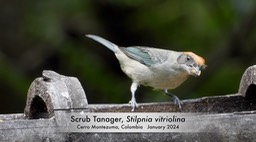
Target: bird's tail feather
104, 42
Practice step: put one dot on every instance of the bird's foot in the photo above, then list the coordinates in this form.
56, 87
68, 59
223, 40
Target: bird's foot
177, 101
133, 104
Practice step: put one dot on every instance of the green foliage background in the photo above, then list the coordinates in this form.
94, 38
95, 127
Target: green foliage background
38, 35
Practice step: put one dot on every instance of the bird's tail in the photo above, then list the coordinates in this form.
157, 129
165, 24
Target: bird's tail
104, 42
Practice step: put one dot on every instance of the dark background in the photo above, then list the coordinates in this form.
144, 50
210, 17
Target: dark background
37, 35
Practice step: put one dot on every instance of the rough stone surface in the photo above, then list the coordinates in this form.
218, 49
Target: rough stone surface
50, 97
36, 130
216, 104
52, 93
248, 82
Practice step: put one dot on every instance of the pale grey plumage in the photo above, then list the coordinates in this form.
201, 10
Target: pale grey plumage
157, 68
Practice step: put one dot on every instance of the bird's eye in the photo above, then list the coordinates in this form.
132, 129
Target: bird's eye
188, 58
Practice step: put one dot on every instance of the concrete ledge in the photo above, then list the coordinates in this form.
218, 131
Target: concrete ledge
50, 97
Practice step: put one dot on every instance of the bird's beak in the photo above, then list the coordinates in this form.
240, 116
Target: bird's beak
196, 71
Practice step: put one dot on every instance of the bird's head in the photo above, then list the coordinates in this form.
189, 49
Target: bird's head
192, 63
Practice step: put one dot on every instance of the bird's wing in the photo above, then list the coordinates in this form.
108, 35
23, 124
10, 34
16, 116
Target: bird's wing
144, 55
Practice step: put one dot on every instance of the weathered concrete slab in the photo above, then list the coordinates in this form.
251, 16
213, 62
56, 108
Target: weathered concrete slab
50, 97
53, 92
216, 104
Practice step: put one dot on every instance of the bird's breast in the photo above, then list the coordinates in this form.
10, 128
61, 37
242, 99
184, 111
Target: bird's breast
169, 80
158, 77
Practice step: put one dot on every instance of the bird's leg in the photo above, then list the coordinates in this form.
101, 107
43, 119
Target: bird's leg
175, 99
133, 100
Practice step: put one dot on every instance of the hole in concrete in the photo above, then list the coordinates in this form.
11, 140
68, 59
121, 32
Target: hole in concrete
38, 108
251, 93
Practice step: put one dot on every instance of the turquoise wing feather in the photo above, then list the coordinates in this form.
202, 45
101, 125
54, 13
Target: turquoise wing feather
142, 55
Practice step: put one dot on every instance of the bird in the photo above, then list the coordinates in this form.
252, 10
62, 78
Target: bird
160, 69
